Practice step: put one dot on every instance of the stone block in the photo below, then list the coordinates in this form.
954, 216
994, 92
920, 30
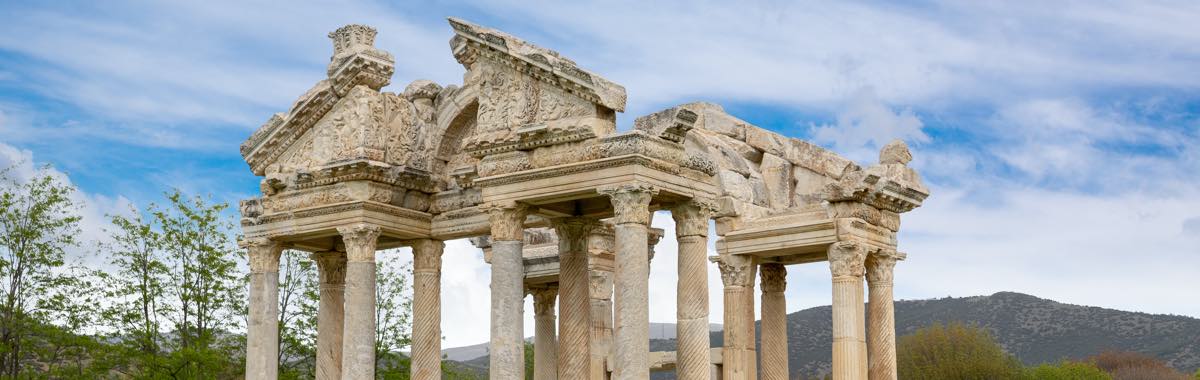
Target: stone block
735, 185
777, 176
766, 141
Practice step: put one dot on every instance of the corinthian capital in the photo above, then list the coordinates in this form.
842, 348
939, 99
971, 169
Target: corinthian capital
263, 254
736, 270
573, 232
543, 299
631, 203
846, 259
332, 267
691, 217
774, 277
880, 266
507, 219
427, 255
360, 240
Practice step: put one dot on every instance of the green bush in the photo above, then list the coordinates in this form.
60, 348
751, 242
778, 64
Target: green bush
954, 351
1067, 370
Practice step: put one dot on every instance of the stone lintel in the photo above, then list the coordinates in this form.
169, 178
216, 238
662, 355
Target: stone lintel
311, 228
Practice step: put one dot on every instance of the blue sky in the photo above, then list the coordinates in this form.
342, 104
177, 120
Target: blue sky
1061, 140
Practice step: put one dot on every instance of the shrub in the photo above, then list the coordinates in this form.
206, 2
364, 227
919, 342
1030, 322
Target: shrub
954, 351
1134, 366
1067, 370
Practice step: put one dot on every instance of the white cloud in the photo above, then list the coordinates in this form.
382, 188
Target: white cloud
865, 125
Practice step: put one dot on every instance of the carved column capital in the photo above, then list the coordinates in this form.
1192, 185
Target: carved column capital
507, 219
846, 259
263, 254
880, 265
360, 240
736, 270
631, 202
574, 230
332, 267
691, 217
427, 255
600, 284
774, 277
543, 299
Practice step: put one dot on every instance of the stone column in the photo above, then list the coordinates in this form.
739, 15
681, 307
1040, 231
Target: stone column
427, 309
774, 351
882, 339
846, 260
330, 313
602, 322
631, 209
574, 307
262, 329
737, 357
545, 344
358, 340
691, 290
507, 347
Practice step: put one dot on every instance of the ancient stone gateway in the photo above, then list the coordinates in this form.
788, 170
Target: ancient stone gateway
524, 159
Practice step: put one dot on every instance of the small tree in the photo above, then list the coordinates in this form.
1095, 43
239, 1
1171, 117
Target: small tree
299, 296
1067, 370
393, 319
954, 351
1124, 365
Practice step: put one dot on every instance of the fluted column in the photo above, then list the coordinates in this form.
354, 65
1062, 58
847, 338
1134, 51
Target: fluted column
738, 359
574, 307
427, 309
881, 341
507, 347
545, 344
358, 339
262, 329
631, 209
774, 350
691, 290
846, 260
330, 313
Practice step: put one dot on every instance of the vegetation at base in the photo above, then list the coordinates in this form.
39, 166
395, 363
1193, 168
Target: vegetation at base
163, 297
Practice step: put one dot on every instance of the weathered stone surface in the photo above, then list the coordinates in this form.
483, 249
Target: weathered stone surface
777, 176
766, 141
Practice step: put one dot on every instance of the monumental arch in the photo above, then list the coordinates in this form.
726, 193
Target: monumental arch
524, 159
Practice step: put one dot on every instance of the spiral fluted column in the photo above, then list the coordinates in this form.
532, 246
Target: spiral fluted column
881, 341
507, 347
545, 344
774, 350
631, 209
691, 290
262, 328
358, 340
574, 307
846, 260
427, 309
738, 358
330, 313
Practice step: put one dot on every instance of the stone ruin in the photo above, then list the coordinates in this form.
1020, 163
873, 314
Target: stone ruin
524, 158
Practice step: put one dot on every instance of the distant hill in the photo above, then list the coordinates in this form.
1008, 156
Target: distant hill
1036, 330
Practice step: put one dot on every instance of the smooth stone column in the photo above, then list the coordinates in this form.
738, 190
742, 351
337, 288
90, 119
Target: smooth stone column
427, 309
602, 322
358, 340
631, 209
737, 357
507, 347
262, 329
691, 290
846, 261
881, 341
774, 351
545, 344
574, 306
330, 314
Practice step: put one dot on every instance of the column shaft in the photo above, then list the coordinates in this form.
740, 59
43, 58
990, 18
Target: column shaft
602, 323
691, 297
774, 350
846, 264
507, 347
358, 339
738, 357
631, 208
427, 309
545, 344
881, 341
574, 307
330, 313
262, 330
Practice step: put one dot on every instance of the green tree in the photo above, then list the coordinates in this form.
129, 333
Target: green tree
954, 351
299, 296
137, 291
38, 222
1067, 370
393, 319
